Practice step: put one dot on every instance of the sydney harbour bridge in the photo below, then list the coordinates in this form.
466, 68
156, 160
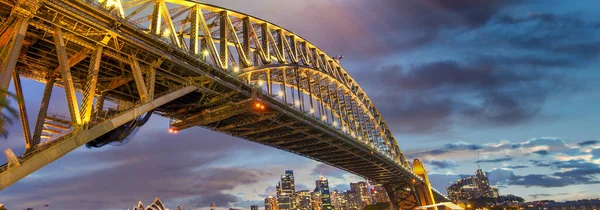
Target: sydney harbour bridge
120, 62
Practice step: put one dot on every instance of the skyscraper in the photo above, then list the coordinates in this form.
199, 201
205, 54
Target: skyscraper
286, 191
303, 200
323, 188
361, 190
271, 203
379, 194
254, 207
338, 200
317, 202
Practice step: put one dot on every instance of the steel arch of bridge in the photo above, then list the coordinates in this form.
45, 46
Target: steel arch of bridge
198, 64
259, 44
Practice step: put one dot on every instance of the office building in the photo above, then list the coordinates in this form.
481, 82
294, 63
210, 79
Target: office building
472, 187
286, 191
322, 186
379, 195
303, 200
361, 190
271, 203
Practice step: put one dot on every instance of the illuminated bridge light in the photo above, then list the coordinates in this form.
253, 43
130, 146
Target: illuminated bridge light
280, 93
297, 103
324, 118
335, 124
236, 69
261, 83
259, 106
205, 52
166, 32
172, 130
110, 3
312, 111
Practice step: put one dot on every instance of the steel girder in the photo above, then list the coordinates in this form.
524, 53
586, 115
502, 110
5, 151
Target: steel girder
314, 80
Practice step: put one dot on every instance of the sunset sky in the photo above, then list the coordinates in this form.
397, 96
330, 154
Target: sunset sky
510, 86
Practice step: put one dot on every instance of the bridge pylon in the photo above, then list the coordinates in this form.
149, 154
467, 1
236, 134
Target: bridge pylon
423, 189
418, 194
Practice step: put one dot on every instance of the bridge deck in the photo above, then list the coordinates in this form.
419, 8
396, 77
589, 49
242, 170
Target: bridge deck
222, 93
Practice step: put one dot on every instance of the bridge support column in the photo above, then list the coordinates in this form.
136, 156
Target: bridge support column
12, 51
401, 197
22, 110
65, 70
39, 124
90, 87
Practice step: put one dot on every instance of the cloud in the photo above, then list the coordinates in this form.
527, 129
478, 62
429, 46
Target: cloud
442, 164
516, 167
430, 97
497, 160
587, 174
541, 152
540, 195
499, 150
269, 191
548, 20
408, 25
151, 165
328, 171
441, 181
588, 143
340, 187
569, 164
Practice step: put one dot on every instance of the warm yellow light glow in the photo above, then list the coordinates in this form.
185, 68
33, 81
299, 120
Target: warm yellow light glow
166, 32
110, 3
335, 123
205, 52
297, 103
324, 118
312, 111
280, 93
236, 69
261, 83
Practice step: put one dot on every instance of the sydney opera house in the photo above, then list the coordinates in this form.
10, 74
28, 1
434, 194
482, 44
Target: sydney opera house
157, 204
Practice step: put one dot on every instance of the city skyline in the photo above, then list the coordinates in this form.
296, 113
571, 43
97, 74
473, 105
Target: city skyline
510, 86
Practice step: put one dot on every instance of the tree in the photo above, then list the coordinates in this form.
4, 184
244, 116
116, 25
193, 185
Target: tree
11, 112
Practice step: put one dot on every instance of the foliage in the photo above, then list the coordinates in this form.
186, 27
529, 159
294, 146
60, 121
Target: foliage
510, 198
378, 206
10, 112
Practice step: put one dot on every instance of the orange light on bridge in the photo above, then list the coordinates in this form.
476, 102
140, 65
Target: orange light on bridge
171, 130
258, 105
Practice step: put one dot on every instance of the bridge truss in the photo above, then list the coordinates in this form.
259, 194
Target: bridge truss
199, 65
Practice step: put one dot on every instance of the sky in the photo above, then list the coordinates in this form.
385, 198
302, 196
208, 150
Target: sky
509, 86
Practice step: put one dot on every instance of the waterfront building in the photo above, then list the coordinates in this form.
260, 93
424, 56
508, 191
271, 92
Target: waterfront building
271, 203
473, 187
